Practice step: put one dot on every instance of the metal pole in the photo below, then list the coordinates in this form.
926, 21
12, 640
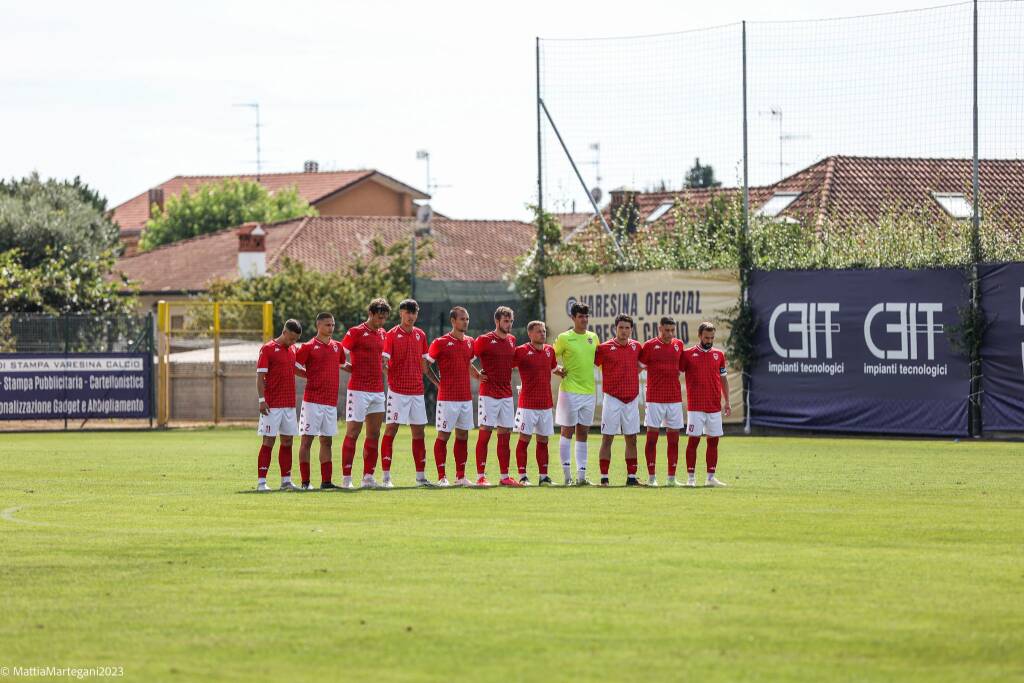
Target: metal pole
540, 195
67, 350
216, 362
604, 223
412, 265
975, 402
745, 261
149, 357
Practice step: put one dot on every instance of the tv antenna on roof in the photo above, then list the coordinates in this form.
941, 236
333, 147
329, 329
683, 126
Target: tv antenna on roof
259, 159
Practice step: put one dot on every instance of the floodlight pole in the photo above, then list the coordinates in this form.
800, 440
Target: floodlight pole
744, 263
540, 194
604, 223
974, 404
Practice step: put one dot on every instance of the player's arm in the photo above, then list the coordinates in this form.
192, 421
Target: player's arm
430, 360
428, 370
559, 359
347, 344
262, 367
301, 356
478, 348
727, 410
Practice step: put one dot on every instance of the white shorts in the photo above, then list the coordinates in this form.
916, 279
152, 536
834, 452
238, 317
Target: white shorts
279, 421
618, 417
316, 419
535, 421
453, 415
496, 412
405, 409
359, 404
575, 409
668, 415
706, 424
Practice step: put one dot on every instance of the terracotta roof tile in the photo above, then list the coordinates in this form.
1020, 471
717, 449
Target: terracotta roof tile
465, 250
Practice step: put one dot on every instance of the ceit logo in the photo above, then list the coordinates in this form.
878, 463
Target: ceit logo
807, 325
908, 327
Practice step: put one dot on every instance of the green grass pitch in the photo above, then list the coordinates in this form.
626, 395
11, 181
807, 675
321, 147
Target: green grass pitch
825, 559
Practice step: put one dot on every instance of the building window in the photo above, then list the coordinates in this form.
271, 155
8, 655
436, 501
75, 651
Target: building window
955, 204
777, 204
659, 212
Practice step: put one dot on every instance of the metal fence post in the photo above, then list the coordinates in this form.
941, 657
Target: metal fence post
216, 362
268, 321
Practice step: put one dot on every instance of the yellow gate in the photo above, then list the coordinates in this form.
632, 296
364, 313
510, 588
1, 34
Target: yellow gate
205, 350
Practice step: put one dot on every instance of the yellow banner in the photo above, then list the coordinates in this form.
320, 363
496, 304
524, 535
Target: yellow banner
690, 297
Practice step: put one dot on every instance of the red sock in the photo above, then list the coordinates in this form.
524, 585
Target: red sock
284, 459
263, 461
440, 456
631, 467
691, 454
325, 471
521, 455
483, 438
304, 471
369, 455
712, 454
505, 452
505, 456
604, 467
386, 445
461, 456
651, 450
419, 454
348, 455
673, 452
542, 457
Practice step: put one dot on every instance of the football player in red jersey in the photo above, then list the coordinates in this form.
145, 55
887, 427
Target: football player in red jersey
535, 361
275, 387
660, 357
364, 400
452, 357
405, 361
495, 407
706, 386
320, 358
619, 359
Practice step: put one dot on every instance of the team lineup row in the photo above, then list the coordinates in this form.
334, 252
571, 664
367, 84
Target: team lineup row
401, 357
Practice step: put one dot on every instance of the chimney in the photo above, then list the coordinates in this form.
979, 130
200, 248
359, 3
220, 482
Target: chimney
310, 167
252, 250
156, 200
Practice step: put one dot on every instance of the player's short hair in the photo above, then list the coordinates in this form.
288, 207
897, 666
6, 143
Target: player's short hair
667, 320
705, 327
623, 318
379, 305
503, 311
534, 324
409, 305
578, 309
324, 316
293, 325
454, 313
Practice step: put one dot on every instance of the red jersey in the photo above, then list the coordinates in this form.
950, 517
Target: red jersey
453, 357
704, 372
404, 350
662, 361
495, 356
620, 369
365, 347
321, 362
535, 372
279, 383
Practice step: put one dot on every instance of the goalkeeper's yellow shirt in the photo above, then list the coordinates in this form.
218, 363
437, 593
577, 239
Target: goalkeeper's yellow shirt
576, 354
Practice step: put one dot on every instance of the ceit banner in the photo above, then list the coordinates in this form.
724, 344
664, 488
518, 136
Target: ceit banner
859, 350
52, 386
1002, 348
690, 297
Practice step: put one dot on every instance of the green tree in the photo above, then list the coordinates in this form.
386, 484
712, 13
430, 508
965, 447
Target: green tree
701, 176
214, 206
300, 292
62, 284
38, 215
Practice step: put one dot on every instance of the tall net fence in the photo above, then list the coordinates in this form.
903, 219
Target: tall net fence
637, 112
